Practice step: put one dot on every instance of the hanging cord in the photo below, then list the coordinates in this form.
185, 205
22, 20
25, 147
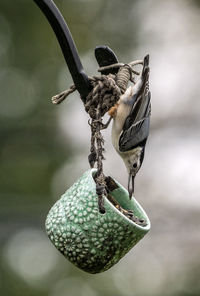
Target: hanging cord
106, 91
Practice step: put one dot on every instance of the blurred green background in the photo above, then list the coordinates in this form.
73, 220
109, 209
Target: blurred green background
44, 148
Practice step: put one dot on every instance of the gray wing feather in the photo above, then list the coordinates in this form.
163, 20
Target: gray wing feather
138, 131
136, 126
136, 134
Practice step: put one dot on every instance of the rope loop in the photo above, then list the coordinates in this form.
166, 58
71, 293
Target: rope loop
105, 93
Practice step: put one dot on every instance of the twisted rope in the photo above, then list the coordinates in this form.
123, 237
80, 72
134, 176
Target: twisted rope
106, 91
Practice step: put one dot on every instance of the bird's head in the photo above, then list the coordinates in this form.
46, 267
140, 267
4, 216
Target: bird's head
133, 162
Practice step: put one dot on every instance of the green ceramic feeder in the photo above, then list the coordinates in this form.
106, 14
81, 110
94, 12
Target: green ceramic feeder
92, 241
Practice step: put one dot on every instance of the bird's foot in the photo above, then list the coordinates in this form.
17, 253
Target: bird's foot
103, 125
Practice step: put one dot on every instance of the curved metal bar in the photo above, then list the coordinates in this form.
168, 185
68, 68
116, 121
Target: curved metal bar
67, 45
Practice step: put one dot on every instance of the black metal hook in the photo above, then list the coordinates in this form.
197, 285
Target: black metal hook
67, 45
104, 55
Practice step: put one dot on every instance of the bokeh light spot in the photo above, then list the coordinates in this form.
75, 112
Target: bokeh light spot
17, 93
30, 255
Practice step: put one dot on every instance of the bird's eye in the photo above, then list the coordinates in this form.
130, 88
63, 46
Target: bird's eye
135, 165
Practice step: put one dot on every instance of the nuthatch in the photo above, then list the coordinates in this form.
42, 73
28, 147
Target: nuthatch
131, 120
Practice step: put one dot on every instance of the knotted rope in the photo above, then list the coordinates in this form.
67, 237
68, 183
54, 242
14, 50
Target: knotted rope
106, 91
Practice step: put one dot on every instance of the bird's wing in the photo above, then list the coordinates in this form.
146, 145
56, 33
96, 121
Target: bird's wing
136, 127
135, 135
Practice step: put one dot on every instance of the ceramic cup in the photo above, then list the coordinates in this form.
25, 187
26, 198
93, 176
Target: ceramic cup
92, 241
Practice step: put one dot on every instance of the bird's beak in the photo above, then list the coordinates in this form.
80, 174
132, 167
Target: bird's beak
131, 186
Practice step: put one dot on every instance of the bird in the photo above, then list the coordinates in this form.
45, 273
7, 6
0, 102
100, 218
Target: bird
131, 122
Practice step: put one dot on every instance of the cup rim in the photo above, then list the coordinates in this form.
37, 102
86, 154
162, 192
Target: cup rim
134, 202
